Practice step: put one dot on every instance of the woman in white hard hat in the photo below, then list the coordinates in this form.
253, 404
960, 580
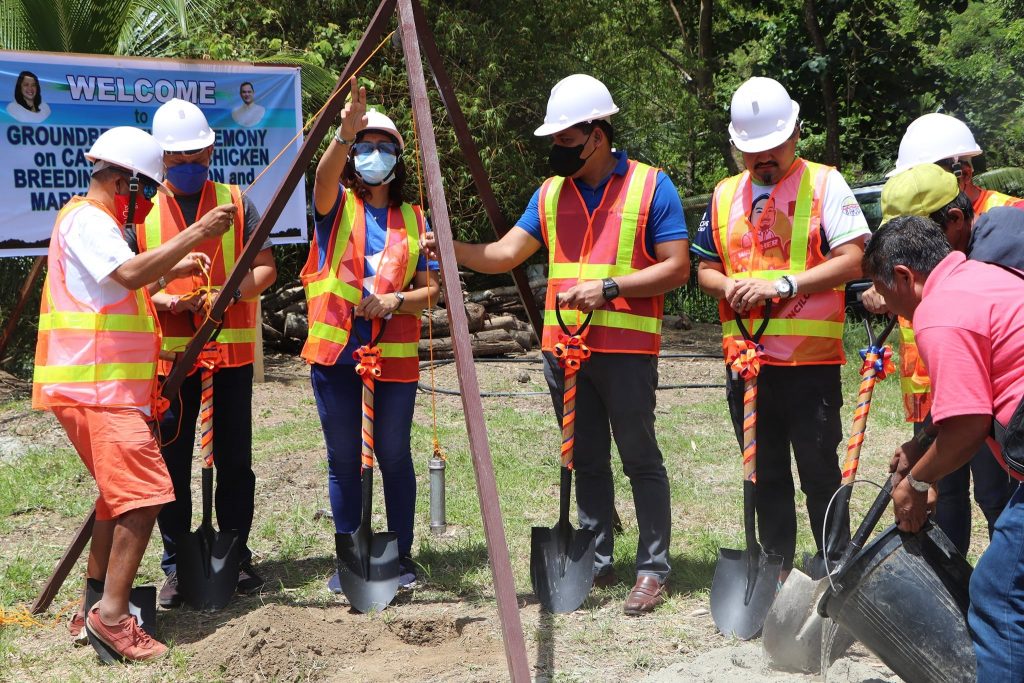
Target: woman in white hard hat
365, 277
100, 381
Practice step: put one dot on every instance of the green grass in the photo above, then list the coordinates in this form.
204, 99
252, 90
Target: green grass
48, 488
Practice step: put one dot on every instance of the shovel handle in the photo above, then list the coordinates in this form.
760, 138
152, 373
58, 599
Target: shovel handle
750, 429
366, 447
206, 418
568, 418
869, 522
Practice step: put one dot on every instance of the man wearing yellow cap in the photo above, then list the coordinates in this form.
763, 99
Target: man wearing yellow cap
928, 190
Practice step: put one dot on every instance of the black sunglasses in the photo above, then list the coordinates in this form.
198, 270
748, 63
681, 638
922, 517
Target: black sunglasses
382, 147
184, 153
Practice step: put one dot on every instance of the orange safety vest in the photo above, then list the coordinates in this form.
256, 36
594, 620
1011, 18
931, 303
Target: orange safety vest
608, 243
914, 381
236, 340
804, 330
989, 199
89, 356
334, 289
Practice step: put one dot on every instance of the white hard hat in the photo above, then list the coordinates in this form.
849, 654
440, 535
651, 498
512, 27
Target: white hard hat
131, 149
180, 126
377, 121
934, 137
576, 99
763, 115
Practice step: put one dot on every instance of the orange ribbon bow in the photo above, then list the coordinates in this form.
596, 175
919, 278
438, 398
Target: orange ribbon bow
571, 351
368, 360
744, 358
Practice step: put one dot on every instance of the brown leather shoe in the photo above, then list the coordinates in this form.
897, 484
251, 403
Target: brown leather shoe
647, 594
606, 580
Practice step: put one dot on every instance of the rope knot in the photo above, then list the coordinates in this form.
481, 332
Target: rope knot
368, 360
571, 351
883, 364
744, 357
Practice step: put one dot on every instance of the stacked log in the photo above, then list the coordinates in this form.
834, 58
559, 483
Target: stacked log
496, 320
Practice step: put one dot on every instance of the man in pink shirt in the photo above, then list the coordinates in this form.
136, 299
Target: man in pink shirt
968, 319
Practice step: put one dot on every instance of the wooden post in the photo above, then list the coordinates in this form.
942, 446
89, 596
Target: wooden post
65, 565
26, 290
494, 531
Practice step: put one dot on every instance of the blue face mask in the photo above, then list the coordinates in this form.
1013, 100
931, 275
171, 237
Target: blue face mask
188, 178
376, 167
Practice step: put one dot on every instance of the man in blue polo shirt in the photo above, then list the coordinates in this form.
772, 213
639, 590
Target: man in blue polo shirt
616, 241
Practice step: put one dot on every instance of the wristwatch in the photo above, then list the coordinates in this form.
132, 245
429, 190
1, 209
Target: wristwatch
919, 486
237, 296
786, 286
162, 281
401, 299
340, 140
610, 288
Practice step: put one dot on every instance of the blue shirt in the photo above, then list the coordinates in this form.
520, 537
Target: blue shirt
376, 239
665, 220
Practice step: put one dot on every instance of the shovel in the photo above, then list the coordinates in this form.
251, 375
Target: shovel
207, 559
744, 584
794, 633
368, 561
562, 558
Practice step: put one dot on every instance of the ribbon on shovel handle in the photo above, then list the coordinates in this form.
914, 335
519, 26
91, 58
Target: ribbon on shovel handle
368, 367
570, 352
877, 365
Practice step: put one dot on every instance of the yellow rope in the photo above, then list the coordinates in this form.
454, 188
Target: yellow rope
20, 616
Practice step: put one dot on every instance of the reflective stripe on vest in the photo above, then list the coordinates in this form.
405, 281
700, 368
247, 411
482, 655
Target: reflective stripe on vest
606, 243
237, 336
807, 329
914, 381
89, 356
332, 290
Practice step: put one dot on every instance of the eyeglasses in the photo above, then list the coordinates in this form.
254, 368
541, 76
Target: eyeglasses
184, 153
382, 147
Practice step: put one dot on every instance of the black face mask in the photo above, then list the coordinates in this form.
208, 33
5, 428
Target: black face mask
566, 161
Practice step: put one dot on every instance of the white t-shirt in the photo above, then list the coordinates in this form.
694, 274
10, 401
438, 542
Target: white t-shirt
20, 113
94, 247
842, 219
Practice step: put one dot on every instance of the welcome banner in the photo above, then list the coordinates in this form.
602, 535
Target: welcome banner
54, 106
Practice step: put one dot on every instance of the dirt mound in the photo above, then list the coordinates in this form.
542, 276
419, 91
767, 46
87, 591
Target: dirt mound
289, 643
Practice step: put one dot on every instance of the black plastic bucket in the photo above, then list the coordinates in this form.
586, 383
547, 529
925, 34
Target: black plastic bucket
905, 596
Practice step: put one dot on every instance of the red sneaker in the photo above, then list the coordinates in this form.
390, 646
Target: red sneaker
126, 640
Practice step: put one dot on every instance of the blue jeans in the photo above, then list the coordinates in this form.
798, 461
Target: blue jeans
339, 391
996, 616
992, 488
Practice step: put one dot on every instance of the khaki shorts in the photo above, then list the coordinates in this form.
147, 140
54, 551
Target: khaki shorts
121, 453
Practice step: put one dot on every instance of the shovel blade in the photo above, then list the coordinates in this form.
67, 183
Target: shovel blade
368, 568
208, 568
561, 566
735, 613
794, 633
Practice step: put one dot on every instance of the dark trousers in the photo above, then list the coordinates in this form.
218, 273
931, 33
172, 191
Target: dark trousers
615, 397
235, 491
992, 490
339, 398
798, 407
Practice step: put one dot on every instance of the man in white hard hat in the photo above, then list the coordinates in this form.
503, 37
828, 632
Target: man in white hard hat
947, 141
929, 191
187, 140
616, 241
822, 229
96, 359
